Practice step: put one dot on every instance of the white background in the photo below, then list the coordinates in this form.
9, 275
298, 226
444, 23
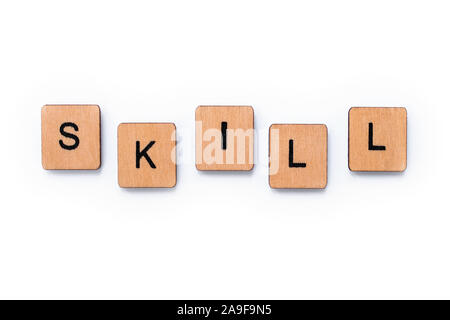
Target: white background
225, 235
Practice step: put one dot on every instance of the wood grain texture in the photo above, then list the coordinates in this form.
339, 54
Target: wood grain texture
86, 156
389, 130
310, 144
240, 135
162, 153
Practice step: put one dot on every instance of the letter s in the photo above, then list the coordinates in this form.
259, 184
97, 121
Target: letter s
69, 135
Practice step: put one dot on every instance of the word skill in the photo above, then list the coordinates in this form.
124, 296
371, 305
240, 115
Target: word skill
224, 141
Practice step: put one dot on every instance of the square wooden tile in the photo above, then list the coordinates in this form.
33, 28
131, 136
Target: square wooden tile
224, 138
377, 139
70, 136
147, 155
298, 156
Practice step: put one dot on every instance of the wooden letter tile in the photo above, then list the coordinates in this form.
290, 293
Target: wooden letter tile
147, 155
298, 156
70, 137
377, 139
224, 138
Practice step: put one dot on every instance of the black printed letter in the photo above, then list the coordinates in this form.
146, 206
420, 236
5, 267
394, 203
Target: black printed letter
143, 153
69, 135
293, 164
224, 135
371, 146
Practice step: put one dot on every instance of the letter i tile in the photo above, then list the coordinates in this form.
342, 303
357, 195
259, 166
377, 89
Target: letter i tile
224, 138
